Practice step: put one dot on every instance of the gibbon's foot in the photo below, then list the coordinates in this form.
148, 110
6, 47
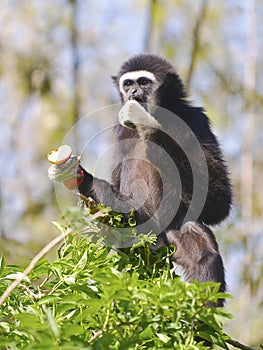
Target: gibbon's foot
197, 252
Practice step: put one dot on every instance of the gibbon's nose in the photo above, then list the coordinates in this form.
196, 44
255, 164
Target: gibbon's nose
136, 94
133, 93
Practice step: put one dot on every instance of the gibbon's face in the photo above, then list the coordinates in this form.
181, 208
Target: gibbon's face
138, 86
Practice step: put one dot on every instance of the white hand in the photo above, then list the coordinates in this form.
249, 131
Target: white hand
65, 171
133, 115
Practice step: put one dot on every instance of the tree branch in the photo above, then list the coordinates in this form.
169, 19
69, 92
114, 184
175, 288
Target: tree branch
196, 42
238, 345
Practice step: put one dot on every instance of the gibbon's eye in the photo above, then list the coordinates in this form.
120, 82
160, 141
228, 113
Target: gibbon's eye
127, 83
144, 81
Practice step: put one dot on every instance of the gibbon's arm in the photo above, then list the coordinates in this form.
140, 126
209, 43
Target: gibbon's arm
103, 192
99, 190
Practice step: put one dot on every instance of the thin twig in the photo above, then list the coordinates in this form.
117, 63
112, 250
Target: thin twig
39, 256
238, 345
96, 335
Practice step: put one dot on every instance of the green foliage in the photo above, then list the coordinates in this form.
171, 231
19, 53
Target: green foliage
34, 73
93, 297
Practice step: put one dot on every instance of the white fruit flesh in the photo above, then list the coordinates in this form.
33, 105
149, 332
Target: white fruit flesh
59, 155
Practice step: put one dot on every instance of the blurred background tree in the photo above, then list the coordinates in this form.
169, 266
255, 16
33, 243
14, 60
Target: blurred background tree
56, 59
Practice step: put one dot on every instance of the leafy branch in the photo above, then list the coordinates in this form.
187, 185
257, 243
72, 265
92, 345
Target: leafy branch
124, 300
40, 255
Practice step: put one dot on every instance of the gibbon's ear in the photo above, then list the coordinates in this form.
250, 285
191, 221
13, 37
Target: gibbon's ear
114, 79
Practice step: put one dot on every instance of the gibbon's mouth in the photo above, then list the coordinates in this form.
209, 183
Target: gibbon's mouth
142, 102
136, 98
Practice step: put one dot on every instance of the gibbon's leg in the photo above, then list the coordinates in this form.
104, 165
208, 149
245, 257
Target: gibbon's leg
197, 252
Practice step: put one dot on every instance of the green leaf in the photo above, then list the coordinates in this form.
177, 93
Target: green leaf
163, 337
52, 323
29, 321
17, 275
147, 333
2, 264
58, 226
48, 299
82, 262
72, 329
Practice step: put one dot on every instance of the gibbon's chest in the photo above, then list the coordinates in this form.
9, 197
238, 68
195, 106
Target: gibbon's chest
139, 179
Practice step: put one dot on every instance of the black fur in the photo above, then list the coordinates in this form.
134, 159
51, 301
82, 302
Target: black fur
197, 250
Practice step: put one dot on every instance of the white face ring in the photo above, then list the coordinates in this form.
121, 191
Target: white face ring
134, 76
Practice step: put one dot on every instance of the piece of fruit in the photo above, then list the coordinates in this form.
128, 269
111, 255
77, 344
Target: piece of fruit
59, 155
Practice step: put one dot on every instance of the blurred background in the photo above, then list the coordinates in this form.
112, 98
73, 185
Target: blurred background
56, 60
